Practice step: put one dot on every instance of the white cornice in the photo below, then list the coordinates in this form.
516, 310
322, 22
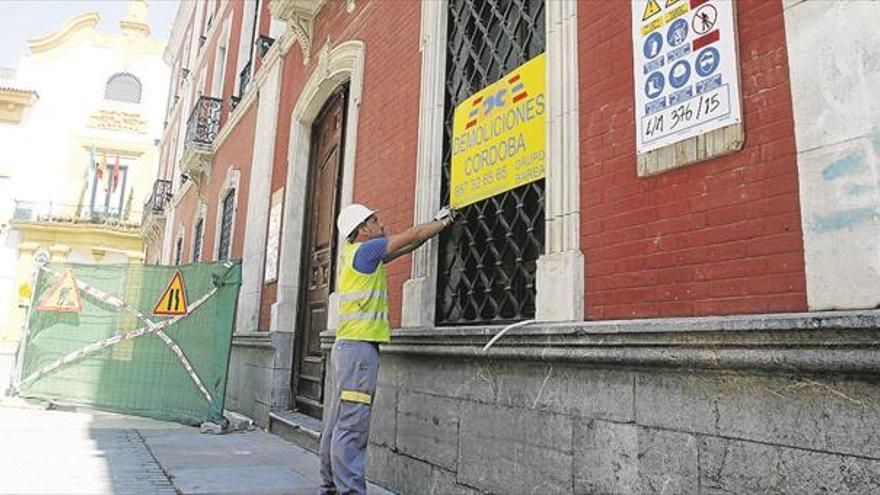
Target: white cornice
175, 41
70, 28
299, 16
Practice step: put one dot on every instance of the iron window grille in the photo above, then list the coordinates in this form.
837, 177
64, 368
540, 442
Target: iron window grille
197, 242
179, 251
487, 262
226, 226
124, 87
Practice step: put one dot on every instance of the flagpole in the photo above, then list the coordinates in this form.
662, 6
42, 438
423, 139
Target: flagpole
85, 185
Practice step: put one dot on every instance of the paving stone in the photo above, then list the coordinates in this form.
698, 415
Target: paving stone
99, 453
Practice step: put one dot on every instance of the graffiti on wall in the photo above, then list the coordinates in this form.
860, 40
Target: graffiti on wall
853, 180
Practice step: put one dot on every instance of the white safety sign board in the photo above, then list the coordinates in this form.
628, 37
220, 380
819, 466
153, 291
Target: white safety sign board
686, 70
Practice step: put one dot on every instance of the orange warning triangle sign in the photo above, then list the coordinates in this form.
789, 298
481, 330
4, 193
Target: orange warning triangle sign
63, 296
651, 9
173, 300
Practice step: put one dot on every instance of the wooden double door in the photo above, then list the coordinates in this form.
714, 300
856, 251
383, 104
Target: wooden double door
318, 275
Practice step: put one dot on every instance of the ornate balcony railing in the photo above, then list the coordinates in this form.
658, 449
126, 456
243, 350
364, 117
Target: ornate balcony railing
159, 198
57, 213
204, 122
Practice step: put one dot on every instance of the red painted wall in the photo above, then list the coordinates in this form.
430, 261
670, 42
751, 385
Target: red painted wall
718, 237
236, 151
388, 121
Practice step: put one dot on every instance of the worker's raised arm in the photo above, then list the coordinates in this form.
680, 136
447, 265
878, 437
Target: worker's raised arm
413, 237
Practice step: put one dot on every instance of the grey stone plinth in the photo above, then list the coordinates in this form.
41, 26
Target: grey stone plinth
505, 450
730, 466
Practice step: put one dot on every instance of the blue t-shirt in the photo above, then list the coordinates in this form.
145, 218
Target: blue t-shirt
370, 254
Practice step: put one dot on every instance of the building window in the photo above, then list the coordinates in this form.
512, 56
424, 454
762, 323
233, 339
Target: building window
487, 263
178, 251
109, 177
198, 230
124, 87
226, 226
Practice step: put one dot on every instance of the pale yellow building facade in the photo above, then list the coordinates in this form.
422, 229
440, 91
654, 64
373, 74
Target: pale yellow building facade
80, 117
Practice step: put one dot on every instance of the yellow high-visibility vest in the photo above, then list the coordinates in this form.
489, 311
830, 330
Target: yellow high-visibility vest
363, 301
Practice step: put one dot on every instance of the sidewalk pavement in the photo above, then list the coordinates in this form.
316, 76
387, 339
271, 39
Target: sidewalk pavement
78, 452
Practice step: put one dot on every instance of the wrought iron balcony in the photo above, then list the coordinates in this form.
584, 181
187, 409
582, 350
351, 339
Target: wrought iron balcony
35, 212
153, 220
159, 198
204, 122
202, 128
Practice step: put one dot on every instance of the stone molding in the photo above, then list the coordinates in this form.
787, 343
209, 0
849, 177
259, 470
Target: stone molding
562, 203
13, 102
560, 272
828, 342
419, 292
256, 226
118, 120
299, 16
335, 66
232, 182
82, 22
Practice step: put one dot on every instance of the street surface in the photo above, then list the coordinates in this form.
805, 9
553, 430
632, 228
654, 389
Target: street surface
79, 452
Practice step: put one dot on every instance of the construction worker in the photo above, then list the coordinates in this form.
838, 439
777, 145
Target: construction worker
363, 325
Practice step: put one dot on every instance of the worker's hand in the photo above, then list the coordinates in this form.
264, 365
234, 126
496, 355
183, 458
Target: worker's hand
443, 214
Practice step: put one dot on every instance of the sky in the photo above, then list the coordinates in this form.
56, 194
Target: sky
21, 20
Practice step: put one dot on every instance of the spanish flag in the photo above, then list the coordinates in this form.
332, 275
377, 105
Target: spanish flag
115, 177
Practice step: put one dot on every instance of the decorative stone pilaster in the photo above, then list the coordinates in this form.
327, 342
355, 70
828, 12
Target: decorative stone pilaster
339, 64
560, 277
419, 292
256, 226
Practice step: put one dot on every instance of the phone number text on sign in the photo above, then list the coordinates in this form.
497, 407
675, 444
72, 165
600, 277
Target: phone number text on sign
698, 110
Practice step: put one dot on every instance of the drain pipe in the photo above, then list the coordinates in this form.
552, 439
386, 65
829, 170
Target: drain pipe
504, 330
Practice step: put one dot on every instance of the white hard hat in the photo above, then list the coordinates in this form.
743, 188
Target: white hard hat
351, 217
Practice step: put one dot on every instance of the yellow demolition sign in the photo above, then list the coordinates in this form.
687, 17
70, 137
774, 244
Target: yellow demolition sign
173, 300
498, 136
63, 297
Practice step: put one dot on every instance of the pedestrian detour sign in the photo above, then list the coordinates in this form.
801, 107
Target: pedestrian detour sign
685, 68
498, 136
173, 300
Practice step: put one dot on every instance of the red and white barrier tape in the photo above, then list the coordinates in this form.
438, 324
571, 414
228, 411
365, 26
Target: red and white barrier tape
150, 327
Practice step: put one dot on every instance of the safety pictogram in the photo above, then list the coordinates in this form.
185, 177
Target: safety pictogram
704, 19
173, 300
63, 296
651, 9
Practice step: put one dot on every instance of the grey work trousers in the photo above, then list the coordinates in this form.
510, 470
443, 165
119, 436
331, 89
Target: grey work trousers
354, 366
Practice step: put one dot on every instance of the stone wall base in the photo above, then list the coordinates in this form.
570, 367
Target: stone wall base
781, 404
